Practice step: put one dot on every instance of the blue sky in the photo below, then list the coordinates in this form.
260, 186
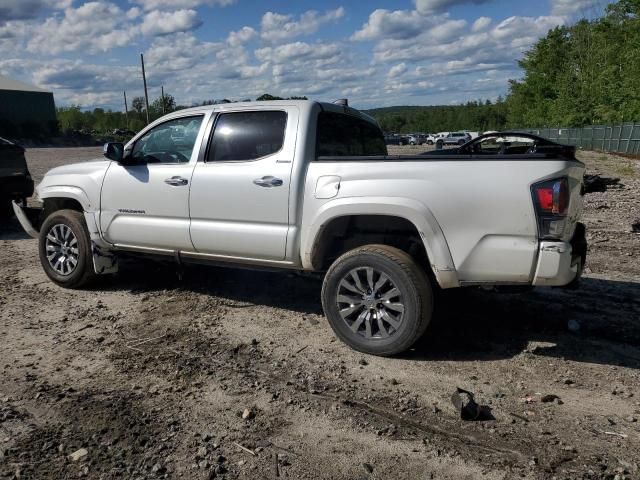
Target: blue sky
375, 52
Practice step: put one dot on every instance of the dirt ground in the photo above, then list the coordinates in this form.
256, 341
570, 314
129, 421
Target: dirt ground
228, 373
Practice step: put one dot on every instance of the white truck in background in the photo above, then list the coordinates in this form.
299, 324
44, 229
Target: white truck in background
309, 186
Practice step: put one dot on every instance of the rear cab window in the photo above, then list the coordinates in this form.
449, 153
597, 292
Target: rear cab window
245, 136
341, 135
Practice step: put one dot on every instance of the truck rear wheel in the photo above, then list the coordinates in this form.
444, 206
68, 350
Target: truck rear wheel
377, 299
65, 249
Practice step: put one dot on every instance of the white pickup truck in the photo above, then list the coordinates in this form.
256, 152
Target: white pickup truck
309, 186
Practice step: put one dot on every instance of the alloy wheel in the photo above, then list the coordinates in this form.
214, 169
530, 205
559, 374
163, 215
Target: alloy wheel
370, 303
62, 249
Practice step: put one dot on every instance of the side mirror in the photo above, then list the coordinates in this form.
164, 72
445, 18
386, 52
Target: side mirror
113, 151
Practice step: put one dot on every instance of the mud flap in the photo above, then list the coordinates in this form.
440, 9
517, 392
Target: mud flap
104, 261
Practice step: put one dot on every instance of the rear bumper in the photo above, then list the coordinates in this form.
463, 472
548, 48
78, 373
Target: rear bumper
561, 263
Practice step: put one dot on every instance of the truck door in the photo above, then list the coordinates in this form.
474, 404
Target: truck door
146, 204
239, 202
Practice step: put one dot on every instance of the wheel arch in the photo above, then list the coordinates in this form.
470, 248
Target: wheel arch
72, 198
399, 211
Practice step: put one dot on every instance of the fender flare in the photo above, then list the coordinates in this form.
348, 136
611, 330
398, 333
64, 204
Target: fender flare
90, 213
411, 210
66, 191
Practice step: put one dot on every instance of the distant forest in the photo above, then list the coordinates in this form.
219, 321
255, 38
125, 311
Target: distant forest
475, 116
583, 74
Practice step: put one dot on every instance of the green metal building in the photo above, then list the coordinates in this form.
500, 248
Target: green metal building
25, 110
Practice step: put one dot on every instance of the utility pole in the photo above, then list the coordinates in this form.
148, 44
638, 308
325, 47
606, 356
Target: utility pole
126, 109
144, 80
162, 90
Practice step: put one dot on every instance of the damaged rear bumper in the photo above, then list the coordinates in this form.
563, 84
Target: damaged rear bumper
561, 263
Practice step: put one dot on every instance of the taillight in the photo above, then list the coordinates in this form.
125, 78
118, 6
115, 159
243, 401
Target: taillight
551, 199
545, 199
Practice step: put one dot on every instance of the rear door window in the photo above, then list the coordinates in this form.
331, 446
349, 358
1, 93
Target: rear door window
341, 135
242, 136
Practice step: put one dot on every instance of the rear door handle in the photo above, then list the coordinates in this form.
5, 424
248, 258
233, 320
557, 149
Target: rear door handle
176, 181
268, 181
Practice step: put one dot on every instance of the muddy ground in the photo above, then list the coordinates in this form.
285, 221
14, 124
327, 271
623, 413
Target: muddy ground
147, 375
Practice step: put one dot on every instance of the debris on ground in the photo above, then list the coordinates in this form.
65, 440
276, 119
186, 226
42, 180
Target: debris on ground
248, 414
466, 406
79, 454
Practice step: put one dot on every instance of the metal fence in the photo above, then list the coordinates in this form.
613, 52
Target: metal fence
623, 138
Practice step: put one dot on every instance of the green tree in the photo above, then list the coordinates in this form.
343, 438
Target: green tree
138, 104
586, 73
162, 105
266, 96
70, 118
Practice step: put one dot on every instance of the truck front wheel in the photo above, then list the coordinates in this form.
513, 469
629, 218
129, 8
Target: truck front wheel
377, 299
65, 249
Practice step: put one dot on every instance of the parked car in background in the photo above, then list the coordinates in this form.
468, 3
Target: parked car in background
396, 139
417, 139
456, 138
15, 180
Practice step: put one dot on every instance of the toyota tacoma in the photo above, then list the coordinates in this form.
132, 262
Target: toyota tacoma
310, 186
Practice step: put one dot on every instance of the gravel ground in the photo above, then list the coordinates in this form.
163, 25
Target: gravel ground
231, 374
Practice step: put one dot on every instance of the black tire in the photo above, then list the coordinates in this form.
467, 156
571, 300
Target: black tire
415, 295
82, 273
461, 142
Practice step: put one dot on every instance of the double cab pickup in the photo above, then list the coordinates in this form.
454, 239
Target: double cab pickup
310, 186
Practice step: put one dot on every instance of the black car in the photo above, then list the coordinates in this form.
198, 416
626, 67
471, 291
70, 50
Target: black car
395, 139
15, 180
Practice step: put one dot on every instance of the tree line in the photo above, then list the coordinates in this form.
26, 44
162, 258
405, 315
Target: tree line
476, 116
74, 119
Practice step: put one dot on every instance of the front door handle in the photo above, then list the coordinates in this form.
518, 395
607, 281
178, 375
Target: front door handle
268, 181
176, 181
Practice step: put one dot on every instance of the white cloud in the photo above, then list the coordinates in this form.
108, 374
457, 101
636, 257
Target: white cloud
179, 53
28, 9
180, 4
276, 27
298, 51
386, 24
79, 30
511, 37
397, 70
403, 24
242, 36
570, 7
133, 13
480, 24
426, 7
164, 23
